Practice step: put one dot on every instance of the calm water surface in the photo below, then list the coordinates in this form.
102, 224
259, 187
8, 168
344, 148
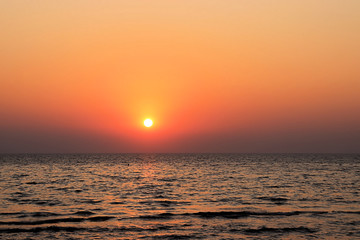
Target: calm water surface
180, 196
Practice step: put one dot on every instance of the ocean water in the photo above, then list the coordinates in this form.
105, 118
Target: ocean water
180, 196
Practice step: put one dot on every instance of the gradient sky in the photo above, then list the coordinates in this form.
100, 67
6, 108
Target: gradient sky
215, 76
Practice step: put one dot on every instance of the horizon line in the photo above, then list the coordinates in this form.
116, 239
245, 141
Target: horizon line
83, 153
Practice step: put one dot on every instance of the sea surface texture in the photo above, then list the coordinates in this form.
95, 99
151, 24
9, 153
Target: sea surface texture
180, 196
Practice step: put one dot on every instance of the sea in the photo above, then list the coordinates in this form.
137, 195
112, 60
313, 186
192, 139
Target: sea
180, 196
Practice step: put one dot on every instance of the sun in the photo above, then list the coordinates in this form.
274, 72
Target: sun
148, 122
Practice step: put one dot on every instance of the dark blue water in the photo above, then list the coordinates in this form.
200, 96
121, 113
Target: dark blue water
180, 196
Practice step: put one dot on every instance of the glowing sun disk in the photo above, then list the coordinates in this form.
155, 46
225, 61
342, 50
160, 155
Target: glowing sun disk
148, 122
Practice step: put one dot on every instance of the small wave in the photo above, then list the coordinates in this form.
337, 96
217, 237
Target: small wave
230, 214
21, 194
16, 176
160, 196
117, 203
43, 214
35, 201
41, 229
35, 183
276, 200
158, 216
90, 201
47, 221
31, 214
10, 214
95, 229
353, 223
241, 214
176, 236
99, 218
308, 199
84, 213
280, 230
348, 212
168, 179
227, 199
344, 201
65, 189
164, 203
58, 220
275, 186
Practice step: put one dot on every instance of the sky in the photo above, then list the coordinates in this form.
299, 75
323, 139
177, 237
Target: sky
214, 76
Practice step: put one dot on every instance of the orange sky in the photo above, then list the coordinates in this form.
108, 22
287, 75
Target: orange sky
215, 76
